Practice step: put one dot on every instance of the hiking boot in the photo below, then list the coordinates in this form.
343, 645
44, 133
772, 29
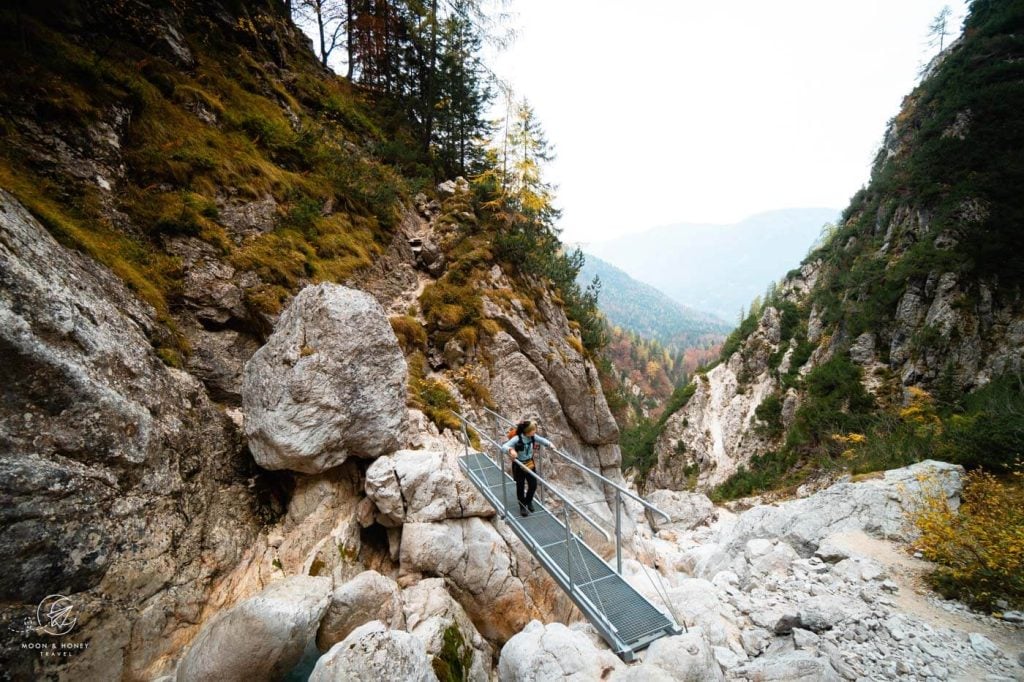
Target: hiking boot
522, 510
529, 505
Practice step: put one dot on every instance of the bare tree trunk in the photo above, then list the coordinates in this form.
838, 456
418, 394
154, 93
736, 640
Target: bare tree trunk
350, 27
320, 27
428, 119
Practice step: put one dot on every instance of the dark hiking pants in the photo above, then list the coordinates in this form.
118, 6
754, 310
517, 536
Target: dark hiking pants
523, 480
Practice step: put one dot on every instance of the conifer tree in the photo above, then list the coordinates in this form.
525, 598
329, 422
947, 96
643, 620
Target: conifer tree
937, 30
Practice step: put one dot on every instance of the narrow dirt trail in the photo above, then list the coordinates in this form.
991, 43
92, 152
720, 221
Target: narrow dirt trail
917, 599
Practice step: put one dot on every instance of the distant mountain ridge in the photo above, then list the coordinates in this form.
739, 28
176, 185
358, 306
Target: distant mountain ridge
641, 308
718, 268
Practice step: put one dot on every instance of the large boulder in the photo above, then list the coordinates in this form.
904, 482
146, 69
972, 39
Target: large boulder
372, 653
483, 573
768, 557
793, 666
420, 486
682, 658
367, 597
877, 506
709, 559
330, 383
687, 510
261, 638
697, 602
554, 652
826, 611
456, 647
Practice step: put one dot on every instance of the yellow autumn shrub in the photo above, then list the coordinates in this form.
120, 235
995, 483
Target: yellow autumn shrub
979, 548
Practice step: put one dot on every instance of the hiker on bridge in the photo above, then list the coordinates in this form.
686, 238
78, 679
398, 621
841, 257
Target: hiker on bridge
521, 448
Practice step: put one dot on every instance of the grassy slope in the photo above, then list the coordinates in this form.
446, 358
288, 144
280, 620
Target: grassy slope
338, 162
288, 131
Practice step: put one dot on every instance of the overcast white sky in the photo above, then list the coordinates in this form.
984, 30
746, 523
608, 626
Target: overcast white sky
667, 111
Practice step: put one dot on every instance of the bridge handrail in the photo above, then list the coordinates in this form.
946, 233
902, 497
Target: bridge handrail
540, 479
604, 479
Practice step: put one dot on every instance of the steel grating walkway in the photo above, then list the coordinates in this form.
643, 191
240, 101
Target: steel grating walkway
626, 619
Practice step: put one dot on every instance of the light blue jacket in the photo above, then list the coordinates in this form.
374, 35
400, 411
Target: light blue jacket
527, 454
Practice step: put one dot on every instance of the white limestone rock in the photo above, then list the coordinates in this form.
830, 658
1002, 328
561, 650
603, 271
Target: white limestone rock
774, 559
715, 425
554, 652
422, 486
857, 569
824, 612
683, 658
482, 572
261, 638
876, 506
698, 603
687, 510
795, 666
330, 383
372, 653
433, 616
367, 597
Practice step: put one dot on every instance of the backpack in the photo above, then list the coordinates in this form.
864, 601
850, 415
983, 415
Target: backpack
520, 444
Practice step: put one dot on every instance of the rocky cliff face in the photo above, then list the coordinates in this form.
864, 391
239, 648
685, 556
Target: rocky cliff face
704, 442
718, 430
226, 429
126, 487
204, 435
159, 508
918, 287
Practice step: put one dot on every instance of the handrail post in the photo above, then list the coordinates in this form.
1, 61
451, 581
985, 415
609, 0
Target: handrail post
504, 483
568, 549
536, 465
618, 532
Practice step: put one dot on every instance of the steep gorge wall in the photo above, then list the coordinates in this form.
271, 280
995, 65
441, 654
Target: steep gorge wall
125, 485
919, 286
133, 491
129, 484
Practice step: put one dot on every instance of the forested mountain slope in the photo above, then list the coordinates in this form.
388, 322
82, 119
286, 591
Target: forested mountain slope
641, 308
718, 268
901, 336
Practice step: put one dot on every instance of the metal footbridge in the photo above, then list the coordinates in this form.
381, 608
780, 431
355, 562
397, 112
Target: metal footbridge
623, 617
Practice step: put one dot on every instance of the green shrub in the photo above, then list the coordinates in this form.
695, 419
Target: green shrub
990, 431
538, 253
979, 548
735, 339
836, 402
680, 396
453, 662
765, 472
637, 445
769, 416
637, 442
